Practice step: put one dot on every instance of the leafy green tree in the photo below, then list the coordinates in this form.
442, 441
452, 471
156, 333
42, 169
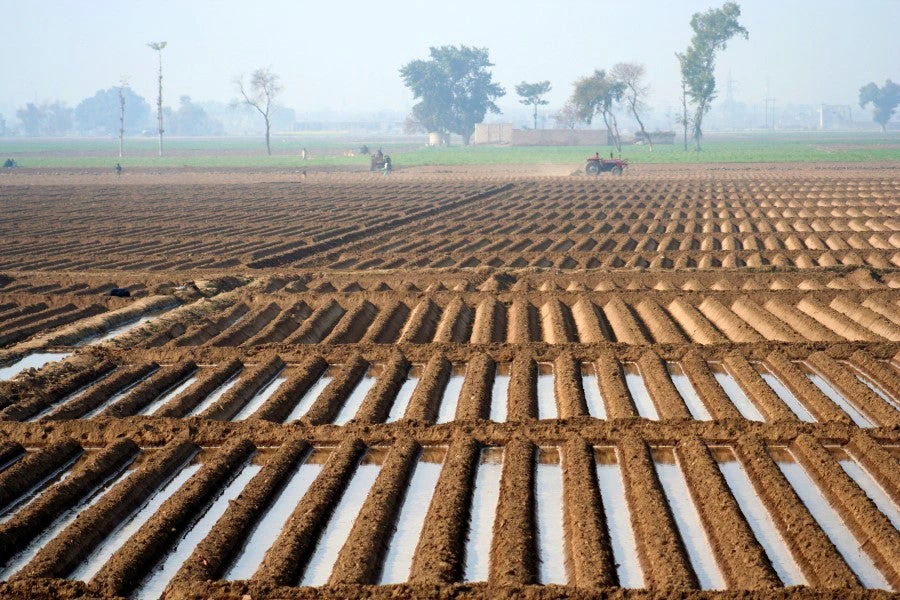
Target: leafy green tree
631, 76
48, 119
100, 113
191, 120
260, 94
599, 94
454, 89
532, 94
884, 101
712, 31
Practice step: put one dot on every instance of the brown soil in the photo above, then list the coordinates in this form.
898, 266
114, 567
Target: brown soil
445, 271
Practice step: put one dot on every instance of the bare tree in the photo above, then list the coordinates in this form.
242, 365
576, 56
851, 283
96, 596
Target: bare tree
158, 46
260, 94
631, 75
567, 117
122, 85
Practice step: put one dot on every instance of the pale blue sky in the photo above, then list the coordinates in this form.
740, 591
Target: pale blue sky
344, 55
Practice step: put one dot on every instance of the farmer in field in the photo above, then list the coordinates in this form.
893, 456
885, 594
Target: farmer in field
387, 165
118, 170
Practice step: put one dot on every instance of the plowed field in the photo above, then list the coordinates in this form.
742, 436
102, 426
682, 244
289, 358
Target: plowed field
463, 384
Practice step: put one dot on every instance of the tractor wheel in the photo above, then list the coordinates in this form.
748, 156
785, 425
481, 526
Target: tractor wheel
617, 170
592, 168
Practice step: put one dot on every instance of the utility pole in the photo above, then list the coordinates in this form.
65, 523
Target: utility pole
122, 85
729, 99
770, 101
158, 46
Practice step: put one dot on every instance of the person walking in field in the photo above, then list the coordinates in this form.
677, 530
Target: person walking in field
118, 170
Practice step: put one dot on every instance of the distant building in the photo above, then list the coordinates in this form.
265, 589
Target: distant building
503, 134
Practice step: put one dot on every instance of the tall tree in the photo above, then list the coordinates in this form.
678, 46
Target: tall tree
158, 46
884, 101
712, 31
599, 94
532, 94
264, 87
101, 113
631, 75
454, 88
685, 120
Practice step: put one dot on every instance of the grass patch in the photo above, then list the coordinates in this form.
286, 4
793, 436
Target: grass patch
331, 150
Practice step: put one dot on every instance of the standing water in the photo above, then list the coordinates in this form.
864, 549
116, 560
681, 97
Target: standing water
261, 396
687, 392
313, 393
356, 397
168, 395
592, 396
17, 562
784, 393
546, 392
450, 398
401, 402
829, 520
38, 489
32, 361
870, 383
485, 495
215, 395
117, 537
877, 494
402, 546
639, 393
270, 525
156, 582
735, 393
618, 518
342, 518
548, 506
687, 519
826, 388
500, 393
758, 517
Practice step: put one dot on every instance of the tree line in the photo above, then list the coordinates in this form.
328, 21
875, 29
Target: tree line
454, 90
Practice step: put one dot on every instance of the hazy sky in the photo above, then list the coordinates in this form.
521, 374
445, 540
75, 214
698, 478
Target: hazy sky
344, 55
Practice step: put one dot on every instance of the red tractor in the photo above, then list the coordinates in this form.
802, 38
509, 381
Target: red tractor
596, 165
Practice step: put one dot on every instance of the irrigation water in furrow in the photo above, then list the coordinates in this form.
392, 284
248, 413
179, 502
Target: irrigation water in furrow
832, 394
312, 394
876, 493
32, 361
117, 537
829, 520
593, 398
450, 397
784, 393
758, 517
215, 395
735, 392
155, 583
546, 392
640, 395
548, 505
687, 519
404, 394
356, 397
271, 522
617, 514
500, 393
871, 384
687, 392
261, 396
419, 492
485, 494
318, 569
